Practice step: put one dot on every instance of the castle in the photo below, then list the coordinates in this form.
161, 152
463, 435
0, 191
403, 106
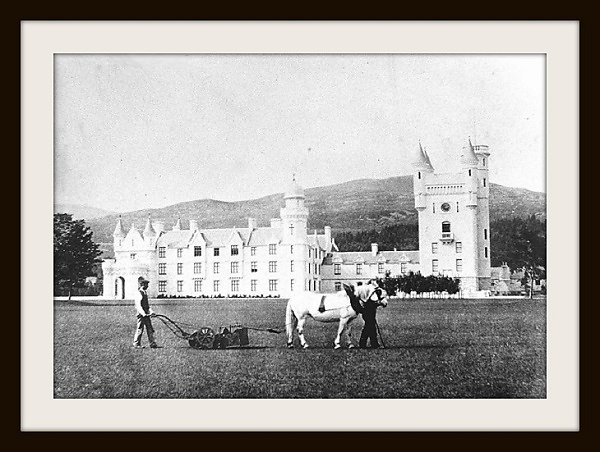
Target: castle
284, 257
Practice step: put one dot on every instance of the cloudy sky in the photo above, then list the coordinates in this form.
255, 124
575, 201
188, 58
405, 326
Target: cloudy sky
140, 131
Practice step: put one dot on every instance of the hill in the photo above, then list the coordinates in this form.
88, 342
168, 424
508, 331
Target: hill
350, 206
82, 212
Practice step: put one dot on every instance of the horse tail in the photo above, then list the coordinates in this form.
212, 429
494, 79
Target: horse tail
290, 322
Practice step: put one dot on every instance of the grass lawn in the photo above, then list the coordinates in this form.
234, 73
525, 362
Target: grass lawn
435, 349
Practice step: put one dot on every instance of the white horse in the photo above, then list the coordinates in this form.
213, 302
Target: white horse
343, 306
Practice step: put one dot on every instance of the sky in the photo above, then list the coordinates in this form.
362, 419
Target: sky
147, 131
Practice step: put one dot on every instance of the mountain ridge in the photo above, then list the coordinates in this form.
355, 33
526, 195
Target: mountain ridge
348, 206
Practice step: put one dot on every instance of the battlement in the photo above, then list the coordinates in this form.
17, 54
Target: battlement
444, 189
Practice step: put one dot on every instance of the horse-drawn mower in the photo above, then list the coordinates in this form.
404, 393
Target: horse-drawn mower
235, 335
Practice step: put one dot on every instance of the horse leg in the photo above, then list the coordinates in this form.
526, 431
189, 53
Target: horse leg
300, 327
341, 328
290, 324
349, 332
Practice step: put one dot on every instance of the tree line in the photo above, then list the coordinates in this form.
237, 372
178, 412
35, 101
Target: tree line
415, 282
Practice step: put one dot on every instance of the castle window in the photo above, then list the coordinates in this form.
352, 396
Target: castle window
457, 206
434, 266
446, 226
338, 286
359, 269
272, 285
197, 285
215, 267
235, 267
433, 205
197, 267
132, 256
380, 267
434, 248
272, 248
459, 265
484, 182
485, 234
162, 286
459, 247
197, 251
253, 251
419, 174
179, 286
483, 162
216, 284
272, 266
291, 285
485, 251
469, 172
292, 266
234, 250
162, 268
179, 268
291, 229
253, 285
162, 251
309, 253
179, 252
216, 251
253, 267
291, 249
337, 269
235, 285
403, 267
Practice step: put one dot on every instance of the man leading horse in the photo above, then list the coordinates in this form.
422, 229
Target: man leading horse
370, 301
343, 306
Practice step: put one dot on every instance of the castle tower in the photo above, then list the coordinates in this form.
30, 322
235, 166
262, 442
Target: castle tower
454, 218
483, 216
294, 240
294, 216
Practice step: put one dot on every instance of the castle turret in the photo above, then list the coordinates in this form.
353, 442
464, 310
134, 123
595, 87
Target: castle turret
422, 167
470, 162
119, 233
149, 233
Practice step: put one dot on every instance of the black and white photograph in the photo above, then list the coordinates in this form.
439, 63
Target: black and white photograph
299, 226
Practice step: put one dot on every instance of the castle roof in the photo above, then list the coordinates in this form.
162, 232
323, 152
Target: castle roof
318, 241
367, 257
421, 160
119, 232
294, 190
149, 230
264, 236
468, 156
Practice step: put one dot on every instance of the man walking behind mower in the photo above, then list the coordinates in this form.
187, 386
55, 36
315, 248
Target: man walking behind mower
143, 315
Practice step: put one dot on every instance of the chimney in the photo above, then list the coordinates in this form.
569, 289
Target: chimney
159, 226
252, 223
193, 225
328, 235
374, 249
275, 222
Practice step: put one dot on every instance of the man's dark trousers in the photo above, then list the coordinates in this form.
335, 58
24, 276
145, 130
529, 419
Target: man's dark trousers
370, 329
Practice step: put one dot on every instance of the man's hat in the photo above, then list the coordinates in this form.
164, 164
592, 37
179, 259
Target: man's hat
142, 280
